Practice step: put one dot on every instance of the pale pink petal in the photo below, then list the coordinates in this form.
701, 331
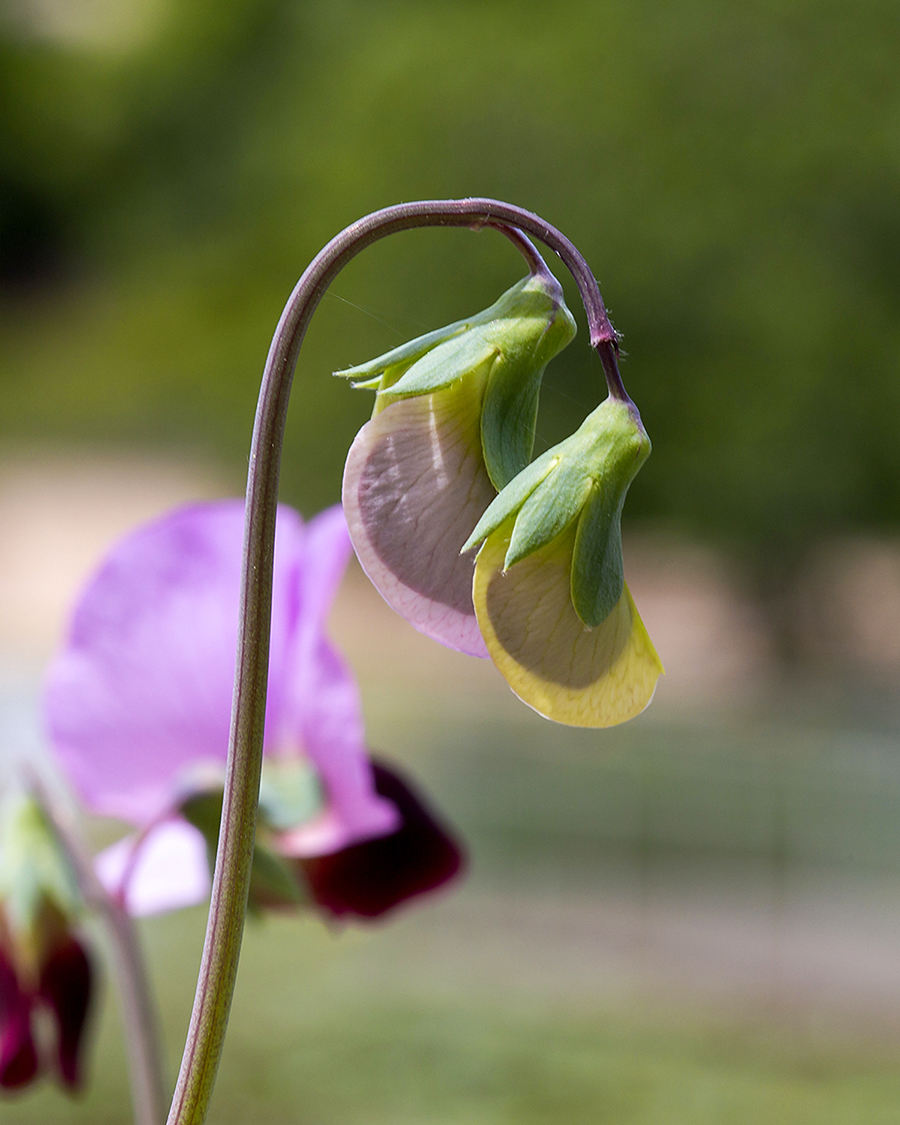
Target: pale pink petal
142, 688
165, 869
415, 485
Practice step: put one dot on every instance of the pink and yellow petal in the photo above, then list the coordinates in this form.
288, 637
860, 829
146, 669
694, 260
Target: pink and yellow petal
567, 672
415, 485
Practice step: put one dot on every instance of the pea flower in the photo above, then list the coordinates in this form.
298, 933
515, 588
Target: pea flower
453, 423
138, 704
549, 587
44, 968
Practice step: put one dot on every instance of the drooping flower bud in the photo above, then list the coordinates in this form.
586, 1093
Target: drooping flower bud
453, 423
43, 964
549, 589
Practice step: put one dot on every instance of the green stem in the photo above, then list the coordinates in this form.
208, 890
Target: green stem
218, 969
148, 1088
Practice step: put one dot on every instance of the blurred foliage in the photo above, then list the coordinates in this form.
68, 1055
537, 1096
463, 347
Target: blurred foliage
557, 983
343, 1046
730, 171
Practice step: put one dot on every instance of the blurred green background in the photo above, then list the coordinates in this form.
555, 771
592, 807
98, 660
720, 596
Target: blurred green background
732, 174
730, 171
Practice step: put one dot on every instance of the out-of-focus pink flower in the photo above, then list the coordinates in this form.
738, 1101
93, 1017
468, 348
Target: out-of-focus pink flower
44, 969
138, 706
370, 878
63, 988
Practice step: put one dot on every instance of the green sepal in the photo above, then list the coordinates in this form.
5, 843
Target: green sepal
584, 479
598, 571
511, 330
290, 794
366, 384
382, 373
509, 413
509, 418
585, 461
272, 881
443, 365
507, 502
403, 356
506, 348
34, 869
559, 475
548, 511
203, 809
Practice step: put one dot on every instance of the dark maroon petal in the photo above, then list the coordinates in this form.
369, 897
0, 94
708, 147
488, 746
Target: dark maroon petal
373, 877
18, 1057
66, 988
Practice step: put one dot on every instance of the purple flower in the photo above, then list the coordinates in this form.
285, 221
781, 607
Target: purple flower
45, 973
63, 987
138, 705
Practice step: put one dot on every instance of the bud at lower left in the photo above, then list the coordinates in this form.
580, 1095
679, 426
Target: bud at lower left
44, 967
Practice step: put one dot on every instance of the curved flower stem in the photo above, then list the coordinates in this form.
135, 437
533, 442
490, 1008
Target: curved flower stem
526, 248
218, 969
142, 1039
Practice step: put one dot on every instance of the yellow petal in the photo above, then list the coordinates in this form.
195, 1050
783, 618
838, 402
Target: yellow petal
554, 663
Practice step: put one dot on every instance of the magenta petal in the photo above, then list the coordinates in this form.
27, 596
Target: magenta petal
321, 714
66, 987
165, 869
372, 878
143, 686
322, 703
327, 552
142, 690
18, 1056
